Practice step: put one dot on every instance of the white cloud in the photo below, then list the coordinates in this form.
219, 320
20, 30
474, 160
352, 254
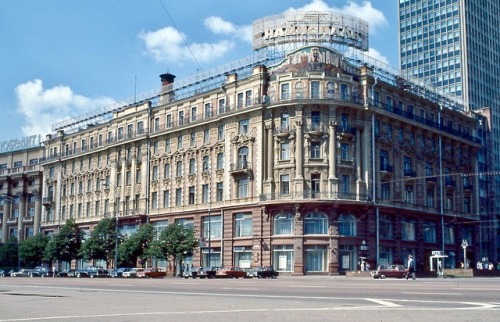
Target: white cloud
168, 45
220, 26
365, 11
42, 108
372, 52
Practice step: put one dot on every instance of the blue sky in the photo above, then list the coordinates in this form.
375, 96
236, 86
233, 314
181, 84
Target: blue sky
61, 58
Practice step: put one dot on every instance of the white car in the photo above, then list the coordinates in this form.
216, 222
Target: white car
133, 272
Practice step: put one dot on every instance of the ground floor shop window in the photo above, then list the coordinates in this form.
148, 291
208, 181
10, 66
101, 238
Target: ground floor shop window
316, 258
283, 258
243, 256
348, 257
211, 257
386, 256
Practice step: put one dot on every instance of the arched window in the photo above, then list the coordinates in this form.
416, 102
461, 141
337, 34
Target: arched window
283, 224
315, 224
243, 158
347, 225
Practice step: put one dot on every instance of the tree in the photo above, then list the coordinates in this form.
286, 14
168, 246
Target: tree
136, 246
101, 243
65, 245
9, 255
31, 250
175, 242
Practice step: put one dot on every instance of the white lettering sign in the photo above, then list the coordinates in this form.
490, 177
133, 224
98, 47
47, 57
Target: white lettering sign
20, 143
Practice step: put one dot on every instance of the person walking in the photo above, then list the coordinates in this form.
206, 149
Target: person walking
410, 269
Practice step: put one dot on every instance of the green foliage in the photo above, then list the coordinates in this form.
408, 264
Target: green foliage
65, 245
9, 254
101, 243
32, 250
175, 242
136, 246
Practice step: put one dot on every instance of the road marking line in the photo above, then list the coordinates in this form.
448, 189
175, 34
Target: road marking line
384, 303
432, 293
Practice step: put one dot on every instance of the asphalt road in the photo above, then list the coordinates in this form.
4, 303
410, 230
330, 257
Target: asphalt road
308, 298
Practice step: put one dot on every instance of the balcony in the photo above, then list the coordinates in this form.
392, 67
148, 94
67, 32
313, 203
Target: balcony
12, 220
241, 167
385, 168
346, 130
409, 173
315, 129
283, 131
27, 219
47, 201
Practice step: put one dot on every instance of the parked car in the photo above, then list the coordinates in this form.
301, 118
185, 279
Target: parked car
193, 272
92, 272
263, 272
119, 271
133, 272
40, 271
231, 272
7, 273
155, 272
397, 271
2, 273
67, 273
208, 272
21, 273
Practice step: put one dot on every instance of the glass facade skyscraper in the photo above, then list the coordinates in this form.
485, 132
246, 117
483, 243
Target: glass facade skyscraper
454, 45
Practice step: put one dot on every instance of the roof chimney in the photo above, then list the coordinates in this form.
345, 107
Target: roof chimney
166, 79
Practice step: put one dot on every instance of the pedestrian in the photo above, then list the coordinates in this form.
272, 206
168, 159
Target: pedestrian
410, 269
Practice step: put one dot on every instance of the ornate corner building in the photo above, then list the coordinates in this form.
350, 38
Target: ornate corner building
310, 160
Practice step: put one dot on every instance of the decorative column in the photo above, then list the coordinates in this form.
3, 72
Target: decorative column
358, 163
300, 150
331, 153
270, 161
7, 209
38, 212
22, 213
298, 244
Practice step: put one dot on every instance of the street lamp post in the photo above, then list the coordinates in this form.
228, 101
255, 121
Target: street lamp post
464, 246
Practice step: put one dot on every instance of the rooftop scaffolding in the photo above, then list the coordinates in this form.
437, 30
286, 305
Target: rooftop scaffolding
214, 78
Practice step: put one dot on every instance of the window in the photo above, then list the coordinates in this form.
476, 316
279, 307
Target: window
315, 119
315, 224
285, 91
242, 188
220, 133
344, 151
243, 126
138, 175
409, 194
193, 113
222, 106
283, 224
385, 190
140, 129
429, 200
429, 232
285, 122
285, 151
248, 98
155, 173
208, 110
243, 225
449, 235
192, 166
212, 227
239, 100
154, 200
315, 89
386, 227
315, 150
347, 225
242, 158
206, 136
408, 229
179, 142
169, 121
181, 117
166, 171
166, 198
192, 141
220, 160
167, 145
205, 163
204, 194
191, 195
407, 168
178, 197
345, 185
120, 134
316, 258
285, 184
220, 191
179, 169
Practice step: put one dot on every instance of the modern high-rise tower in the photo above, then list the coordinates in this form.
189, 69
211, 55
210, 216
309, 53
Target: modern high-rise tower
454, 46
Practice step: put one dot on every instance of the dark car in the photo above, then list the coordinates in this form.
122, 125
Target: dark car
40, 271
92, 272
263, 272
208, 272
395, 271
193, 272
67, 273
7, 273
119, 271
21, 273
